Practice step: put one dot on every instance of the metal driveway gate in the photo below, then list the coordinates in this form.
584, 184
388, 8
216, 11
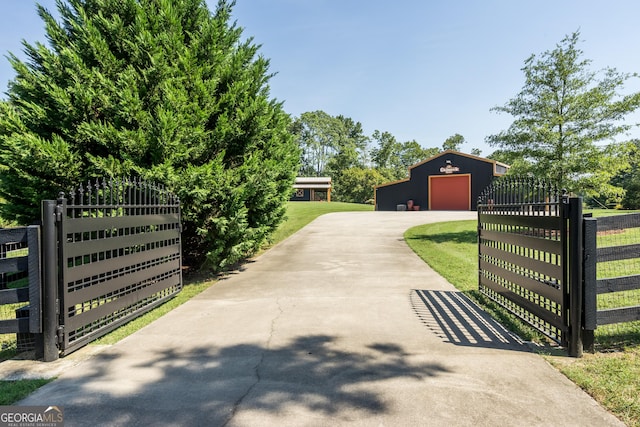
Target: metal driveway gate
530, 255
118, 256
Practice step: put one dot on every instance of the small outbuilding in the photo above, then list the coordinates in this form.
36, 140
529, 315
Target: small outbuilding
311, 189
448, 181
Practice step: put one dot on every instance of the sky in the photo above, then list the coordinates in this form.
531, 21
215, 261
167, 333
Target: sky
421, 70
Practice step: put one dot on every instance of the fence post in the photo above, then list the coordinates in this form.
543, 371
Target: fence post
575, 276
35, 288
590, 282
50, 281
479, 230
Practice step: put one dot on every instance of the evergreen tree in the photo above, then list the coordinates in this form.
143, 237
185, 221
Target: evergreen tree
163, 89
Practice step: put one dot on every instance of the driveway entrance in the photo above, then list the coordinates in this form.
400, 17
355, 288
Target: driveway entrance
332, 327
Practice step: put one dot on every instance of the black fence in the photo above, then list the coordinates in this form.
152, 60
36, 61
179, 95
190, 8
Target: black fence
529, 234
110, 251
20, 310
612, 275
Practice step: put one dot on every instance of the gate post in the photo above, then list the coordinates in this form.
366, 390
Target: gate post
50, 281
575, 276
35, 287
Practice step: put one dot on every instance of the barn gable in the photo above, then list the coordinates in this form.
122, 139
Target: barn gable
448, 181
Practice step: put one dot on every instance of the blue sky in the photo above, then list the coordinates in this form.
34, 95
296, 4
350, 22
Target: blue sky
419, 69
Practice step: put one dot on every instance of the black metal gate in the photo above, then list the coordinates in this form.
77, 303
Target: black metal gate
119, 255
528, 232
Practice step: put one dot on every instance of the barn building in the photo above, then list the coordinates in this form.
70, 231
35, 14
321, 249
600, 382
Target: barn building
448, 181
310, 189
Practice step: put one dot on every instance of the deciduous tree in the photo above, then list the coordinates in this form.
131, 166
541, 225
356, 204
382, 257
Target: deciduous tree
316, 136
454, 142
629, 179
566, 118
328, 144
393, 158
350, 146
356, 184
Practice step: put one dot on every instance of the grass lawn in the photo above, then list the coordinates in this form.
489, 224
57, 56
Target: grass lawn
12, 391
611, 378
608, 212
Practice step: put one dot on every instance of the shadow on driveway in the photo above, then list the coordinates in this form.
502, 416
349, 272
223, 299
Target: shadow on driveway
458, 320
207, 386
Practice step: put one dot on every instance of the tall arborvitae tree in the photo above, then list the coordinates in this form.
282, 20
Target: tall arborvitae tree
164, 89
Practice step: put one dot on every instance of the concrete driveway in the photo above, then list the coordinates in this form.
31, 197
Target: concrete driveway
341, 324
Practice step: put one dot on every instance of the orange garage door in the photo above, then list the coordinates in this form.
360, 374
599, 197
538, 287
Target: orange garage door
450, 193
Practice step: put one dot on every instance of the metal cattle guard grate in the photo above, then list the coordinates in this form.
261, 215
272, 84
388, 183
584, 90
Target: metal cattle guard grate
119, 256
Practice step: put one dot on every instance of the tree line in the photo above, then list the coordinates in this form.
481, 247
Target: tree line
173, 92
569, 127
336, 146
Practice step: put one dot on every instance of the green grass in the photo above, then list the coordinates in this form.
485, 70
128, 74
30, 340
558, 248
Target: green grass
607, 212
13, 391
618, 237
611, 378
450, 248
